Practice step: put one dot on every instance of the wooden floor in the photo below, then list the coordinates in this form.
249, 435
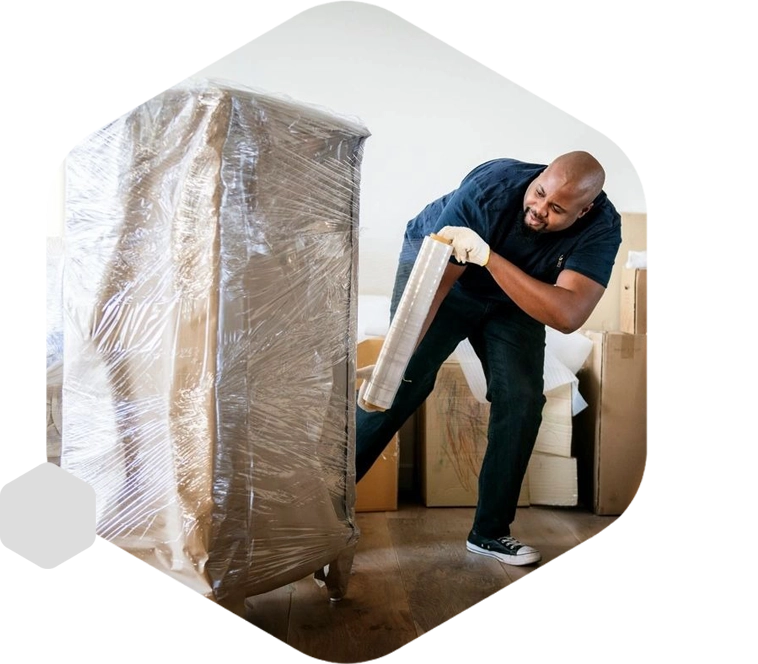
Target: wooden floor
411, 573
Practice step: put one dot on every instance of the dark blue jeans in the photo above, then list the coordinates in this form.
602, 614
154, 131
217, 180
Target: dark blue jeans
511, 346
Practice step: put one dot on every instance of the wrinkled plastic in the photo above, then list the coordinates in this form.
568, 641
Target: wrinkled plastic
209, 330
54, 321
54, 317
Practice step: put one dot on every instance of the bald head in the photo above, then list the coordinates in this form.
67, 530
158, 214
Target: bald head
563, 192
582, 172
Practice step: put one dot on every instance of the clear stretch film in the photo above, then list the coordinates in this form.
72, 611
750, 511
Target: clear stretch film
209, 283
405, 329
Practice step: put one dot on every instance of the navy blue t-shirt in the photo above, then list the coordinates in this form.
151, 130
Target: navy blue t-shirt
490, 201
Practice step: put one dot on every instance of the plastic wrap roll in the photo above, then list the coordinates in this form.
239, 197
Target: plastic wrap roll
405, 329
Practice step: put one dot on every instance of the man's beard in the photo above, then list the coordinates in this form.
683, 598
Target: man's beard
525, 231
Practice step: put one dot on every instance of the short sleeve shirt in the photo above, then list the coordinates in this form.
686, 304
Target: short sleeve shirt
490, 201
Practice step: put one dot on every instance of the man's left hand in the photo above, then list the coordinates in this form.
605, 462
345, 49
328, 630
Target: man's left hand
365, 374
468, 247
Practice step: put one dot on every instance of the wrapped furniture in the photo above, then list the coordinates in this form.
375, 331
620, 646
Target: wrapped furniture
54, 377
209, 330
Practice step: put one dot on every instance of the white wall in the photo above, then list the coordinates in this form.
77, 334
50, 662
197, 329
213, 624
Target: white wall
433, 113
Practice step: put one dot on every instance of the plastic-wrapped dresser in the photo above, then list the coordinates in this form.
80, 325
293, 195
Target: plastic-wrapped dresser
209, 305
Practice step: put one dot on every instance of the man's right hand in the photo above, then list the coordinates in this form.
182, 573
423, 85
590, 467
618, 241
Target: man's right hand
468, 247
364, 374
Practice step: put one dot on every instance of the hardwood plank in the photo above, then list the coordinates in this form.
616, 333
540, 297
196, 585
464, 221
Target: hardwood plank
410, 508
441, 577
270, 611
582, 523
371, 621
540, 527
411, 573
236, 607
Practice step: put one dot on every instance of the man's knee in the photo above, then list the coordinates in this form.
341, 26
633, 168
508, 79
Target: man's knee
525, 404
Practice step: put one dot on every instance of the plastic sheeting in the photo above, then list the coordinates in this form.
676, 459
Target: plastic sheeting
209, 325
54, 320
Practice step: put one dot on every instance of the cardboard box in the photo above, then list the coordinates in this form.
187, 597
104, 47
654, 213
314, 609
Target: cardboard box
377, 491
453, 439
610, 435
554, 436
633, 306
606, 314
552, 480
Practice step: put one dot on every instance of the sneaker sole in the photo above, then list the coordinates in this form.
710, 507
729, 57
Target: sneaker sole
526, 559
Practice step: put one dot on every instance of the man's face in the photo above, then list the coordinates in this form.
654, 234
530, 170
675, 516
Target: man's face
553, 202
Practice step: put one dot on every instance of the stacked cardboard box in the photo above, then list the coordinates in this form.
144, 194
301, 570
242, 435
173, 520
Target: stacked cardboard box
377, 491
633, 301
453, 439
552, 470
610, 434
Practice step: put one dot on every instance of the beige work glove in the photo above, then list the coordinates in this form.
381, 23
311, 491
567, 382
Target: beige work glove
364, 374
468, 247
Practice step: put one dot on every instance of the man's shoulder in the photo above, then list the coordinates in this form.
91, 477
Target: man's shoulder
502, 179
505, 169
602, 223
606, 211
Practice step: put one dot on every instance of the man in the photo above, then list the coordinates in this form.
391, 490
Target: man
533, 245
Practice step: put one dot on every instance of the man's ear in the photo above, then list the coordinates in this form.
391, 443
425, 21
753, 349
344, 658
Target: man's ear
585, 210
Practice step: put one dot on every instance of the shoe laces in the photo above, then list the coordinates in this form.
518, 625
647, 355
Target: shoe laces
510, 542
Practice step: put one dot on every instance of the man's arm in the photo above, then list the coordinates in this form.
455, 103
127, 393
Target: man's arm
565, 306
449, 277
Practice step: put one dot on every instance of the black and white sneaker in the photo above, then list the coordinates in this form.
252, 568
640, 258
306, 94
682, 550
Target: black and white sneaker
506, 549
